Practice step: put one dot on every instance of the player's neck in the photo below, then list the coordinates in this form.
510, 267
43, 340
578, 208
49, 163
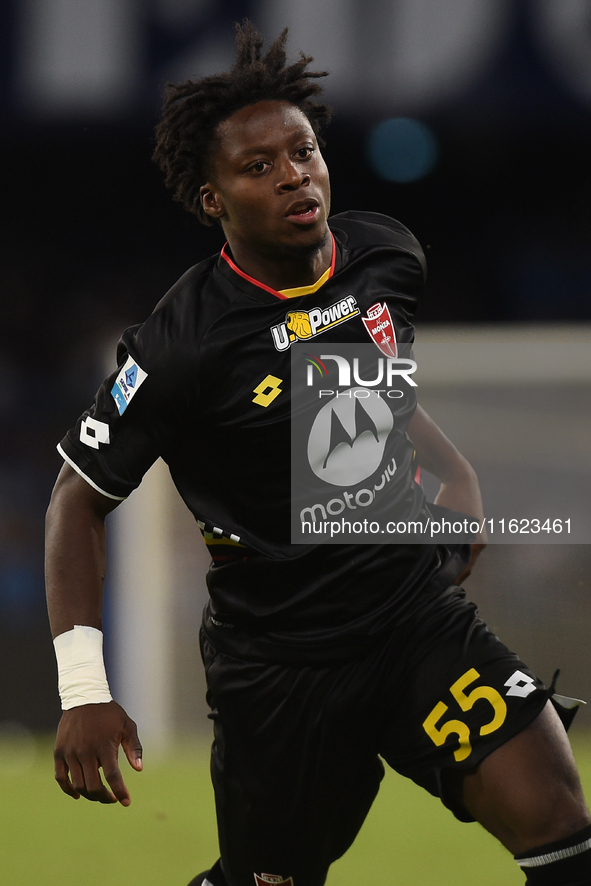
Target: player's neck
285, 270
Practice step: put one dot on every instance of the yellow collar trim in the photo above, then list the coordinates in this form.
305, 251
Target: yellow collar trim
306, 290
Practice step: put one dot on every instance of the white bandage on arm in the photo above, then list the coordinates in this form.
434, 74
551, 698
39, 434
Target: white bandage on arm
81, 670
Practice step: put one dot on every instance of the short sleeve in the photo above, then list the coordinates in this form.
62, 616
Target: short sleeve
130, 424
393, 254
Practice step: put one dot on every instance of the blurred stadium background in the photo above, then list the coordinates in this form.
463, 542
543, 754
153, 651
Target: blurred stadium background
470, 121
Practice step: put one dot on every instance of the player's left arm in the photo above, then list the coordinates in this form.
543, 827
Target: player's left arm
459, 490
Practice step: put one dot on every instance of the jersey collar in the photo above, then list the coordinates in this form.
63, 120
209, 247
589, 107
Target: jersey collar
229, 264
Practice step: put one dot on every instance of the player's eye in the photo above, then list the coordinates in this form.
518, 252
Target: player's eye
259, 166
305, 152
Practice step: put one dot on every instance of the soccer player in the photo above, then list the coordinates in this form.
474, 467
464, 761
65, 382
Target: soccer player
319, 657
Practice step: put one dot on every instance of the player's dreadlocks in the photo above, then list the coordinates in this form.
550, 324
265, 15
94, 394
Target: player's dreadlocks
193, 110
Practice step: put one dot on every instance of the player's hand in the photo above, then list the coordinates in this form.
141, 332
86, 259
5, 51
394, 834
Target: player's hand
475, 550
88, 739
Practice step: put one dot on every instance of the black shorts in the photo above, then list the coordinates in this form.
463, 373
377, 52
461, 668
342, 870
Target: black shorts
297, 753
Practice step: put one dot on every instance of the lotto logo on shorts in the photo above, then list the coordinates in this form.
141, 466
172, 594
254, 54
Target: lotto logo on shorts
271, 880
520, 685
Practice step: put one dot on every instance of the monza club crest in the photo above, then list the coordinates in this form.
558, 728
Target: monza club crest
381, 329
271, 880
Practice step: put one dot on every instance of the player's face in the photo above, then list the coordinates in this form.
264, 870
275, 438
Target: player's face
270, 185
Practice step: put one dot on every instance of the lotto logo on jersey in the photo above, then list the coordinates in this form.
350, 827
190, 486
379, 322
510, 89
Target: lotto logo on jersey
381, 329
127, 383
302, 325
271, 880
267, 390
94, 432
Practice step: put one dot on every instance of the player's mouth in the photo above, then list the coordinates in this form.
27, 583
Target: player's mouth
304, 212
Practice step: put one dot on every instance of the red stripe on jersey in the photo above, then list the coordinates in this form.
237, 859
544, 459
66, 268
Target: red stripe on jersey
334, 256
274, 292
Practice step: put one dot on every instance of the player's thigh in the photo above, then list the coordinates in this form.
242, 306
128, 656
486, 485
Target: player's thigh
461, 695
528, 792
293, 774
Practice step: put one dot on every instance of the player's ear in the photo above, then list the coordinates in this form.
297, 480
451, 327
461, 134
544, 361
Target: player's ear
211, 201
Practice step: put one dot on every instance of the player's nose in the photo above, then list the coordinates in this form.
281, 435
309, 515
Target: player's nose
292, 177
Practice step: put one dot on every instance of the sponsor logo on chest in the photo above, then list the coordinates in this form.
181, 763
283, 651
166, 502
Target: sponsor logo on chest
302, 325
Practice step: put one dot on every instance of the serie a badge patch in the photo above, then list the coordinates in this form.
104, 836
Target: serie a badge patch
129, 379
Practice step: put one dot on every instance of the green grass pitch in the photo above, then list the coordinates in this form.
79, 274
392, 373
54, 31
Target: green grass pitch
168, 833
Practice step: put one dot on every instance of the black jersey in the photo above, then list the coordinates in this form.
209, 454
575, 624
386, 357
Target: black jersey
204, 383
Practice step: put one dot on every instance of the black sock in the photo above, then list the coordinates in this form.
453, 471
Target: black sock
565, 862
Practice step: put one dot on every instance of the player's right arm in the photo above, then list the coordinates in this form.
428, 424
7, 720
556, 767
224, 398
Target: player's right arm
460, 490
88, 735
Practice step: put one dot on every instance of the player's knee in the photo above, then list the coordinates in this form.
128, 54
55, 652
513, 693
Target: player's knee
528, 792
556, 806
554, 809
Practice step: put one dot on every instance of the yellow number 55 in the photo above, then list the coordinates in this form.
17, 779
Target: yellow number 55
466, 701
